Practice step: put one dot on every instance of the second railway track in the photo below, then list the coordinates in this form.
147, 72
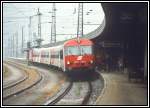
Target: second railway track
33, 77
13, 78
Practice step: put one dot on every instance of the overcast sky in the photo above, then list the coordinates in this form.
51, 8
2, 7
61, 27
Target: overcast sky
16, 15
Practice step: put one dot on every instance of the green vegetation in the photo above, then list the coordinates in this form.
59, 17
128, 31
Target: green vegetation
5, 72
78, 91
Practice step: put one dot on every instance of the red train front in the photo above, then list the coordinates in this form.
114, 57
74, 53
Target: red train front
79, 55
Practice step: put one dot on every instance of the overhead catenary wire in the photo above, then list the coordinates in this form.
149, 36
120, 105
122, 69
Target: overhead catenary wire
22, 12
17, 17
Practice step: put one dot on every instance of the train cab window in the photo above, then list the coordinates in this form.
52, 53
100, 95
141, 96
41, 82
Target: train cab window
72, 50
86, 50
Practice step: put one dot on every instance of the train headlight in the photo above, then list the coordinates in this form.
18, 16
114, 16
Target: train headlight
68, 62
91, 61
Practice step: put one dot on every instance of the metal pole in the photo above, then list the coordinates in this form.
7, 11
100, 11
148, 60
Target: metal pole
82, 18
30, 37
78, 24
8, 47
80, 21
53, 26
39, 24
13, 45
39, 40
16, 44
22, 41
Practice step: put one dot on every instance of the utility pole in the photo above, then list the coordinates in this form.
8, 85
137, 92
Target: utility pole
39, 24
53, 25
39, 40
80, 21
9, 47
30, 37
29, 40
34, 38
16, 34
22, 46
12, 46
13, 39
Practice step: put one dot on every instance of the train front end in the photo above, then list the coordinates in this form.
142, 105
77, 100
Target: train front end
79, 55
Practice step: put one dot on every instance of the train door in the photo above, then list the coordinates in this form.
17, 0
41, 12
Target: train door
39, 56
61, 59
52, 56
36, 57
49, 57
30, 56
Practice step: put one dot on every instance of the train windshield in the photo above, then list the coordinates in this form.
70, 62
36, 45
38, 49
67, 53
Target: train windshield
86, 50
72, 50
78, 50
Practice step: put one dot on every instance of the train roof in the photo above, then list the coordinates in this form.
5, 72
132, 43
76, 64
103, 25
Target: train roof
48, 48
73, 42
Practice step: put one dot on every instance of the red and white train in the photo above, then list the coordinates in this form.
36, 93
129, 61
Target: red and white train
71, 55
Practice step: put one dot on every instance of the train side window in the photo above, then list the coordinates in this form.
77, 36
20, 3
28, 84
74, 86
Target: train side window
57, 55
47, 54
65, 51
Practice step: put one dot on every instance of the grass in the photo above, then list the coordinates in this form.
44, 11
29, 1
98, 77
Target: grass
78, 91
5, 71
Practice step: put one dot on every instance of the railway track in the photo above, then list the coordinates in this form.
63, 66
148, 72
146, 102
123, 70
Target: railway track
60, 95
86, 98
66, 91
58, 98
7, 84
33, 77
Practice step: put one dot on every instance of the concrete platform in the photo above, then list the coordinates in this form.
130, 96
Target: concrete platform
119, 91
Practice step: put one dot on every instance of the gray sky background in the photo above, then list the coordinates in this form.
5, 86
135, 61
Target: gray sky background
16, 15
